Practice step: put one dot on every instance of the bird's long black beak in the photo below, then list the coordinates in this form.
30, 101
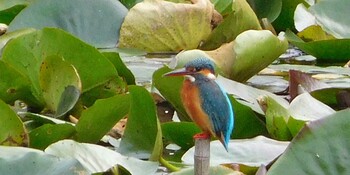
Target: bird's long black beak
178, 72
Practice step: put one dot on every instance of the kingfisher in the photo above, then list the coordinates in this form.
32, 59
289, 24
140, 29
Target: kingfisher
205, 101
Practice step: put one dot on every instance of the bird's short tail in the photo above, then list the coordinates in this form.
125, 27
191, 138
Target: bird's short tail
224, 141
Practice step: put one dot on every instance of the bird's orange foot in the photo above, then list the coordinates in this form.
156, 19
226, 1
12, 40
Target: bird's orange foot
203, 135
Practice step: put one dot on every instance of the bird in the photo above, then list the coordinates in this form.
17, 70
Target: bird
205, 101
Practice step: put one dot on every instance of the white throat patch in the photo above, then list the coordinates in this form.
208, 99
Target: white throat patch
191, 78
211, 76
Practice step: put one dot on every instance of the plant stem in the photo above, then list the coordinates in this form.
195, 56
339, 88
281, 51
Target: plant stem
168, 165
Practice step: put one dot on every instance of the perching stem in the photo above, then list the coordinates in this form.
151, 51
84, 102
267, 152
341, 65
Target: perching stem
201, 156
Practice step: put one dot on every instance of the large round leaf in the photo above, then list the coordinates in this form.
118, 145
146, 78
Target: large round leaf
20, 160
252, 152
158, 25
330, 15
320, 148
12, 131
95, 158
95, 22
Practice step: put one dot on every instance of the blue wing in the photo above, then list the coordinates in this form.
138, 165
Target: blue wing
219, 109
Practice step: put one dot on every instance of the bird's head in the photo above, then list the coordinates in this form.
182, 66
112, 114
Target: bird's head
194, 68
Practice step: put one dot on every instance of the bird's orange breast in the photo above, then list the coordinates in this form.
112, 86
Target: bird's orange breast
192, 103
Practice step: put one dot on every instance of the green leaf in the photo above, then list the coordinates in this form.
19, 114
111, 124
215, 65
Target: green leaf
9, 9
156, 25
331, 20
241, 18
20, 160
277, 117
318, 148
36, 46
333, 50
98, 119
56, 75
118, 63
143, 136
86, 19
223, 6
170, 89
247, 122
266, 8
305, 108
252, 47
12, 131
15, 86
248, 95
10, 35
130, 3
180, 133
47, 134
286, 18
262, 150
68, 100
96, 159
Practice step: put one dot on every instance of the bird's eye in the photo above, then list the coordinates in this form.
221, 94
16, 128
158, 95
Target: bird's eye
191, 69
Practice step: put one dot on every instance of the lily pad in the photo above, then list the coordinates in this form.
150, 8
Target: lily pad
82, 18
248, 95
308, 83
33, 161
12, 131
143, 136
56, 75
318, 148
252, 152
333, 21
241, 18
95, 158
158, 25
